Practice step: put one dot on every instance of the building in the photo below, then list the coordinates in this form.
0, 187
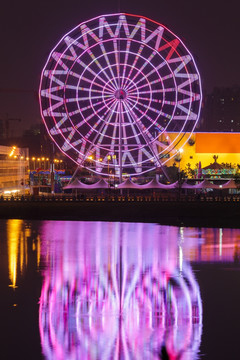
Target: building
207, 148
14, 166
221, 110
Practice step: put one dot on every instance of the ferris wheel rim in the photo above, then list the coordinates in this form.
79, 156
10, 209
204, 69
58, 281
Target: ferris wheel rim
126, 110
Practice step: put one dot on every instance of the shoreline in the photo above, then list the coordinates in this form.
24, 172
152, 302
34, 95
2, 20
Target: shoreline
175, 213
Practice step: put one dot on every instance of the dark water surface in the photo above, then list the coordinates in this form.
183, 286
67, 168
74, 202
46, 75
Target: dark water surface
101, 290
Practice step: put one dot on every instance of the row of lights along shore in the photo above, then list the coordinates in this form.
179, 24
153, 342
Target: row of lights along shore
13, 155
35, 158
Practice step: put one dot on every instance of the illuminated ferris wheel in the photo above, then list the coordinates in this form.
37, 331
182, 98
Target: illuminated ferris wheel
113, 89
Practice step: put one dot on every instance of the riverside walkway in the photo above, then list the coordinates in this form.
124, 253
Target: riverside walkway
174, 209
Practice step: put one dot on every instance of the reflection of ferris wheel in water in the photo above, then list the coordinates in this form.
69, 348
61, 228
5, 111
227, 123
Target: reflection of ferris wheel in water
113, 88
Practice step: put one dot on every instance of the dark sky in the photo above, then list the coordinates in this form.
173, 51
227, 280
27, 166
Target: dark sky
29, 31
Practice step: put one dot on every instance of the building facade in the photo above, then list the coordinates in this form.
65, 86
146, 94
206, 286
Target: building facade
206, 148
14, 166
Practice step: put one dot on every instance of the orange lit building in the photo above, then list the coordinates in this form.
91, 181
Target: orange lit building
204, 146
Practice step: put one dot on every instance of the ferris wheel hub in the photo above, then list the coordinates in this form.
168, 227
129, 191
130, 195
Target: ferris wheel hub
120, 94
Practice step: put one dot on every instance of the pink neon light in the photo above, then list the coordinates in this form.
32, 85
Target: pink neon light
63, 126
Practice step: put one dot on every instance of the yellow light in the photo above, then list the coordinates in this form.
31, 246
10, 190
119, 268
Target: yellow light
13, 231
43, 158
114, 156
12, 151
27, 158
90, 157
60, 161
181, 150
100, 159
38, 159
109, 157
33, 158
47, 159
55, 160
15, 156
21, 157
11, 191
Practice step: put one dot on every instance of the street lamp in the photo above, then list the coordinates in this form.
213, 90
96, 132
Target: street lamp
108, 158
34, 163
114, 162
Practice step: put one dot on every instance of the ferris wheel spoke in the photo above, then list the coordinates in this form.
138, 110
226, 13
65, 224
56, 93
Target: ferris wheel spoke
146, 76
92, 82
100, 66
88, 90
72, 113
121, 123
83, 122
134, 99
89, 69
109, 66
88, 107
144, 131
104, 94
96, 112
156, 91
100, 133
148, 84
148, 138
92, 98
132, 125
154, 70
49, 110
133, 65
125, 62
158, 127
151, 121
148, 99
147, 107
103, 132
113, 137
140, 70
143, 113
117, 60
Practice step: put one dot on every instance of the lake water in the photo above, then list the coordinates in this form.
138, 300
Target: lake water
102, 290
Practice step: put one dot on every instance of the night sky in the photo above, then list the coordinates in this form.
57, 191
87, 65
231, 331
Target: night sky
29, 31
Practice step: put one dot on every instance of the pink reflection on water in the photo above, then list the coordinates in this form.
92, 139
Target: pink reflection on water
116, 290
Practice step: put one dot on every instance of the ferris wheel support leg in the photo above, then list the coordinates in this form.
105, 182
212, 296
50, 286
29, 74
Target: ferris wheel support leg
120, 143
165, 173
74, 174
